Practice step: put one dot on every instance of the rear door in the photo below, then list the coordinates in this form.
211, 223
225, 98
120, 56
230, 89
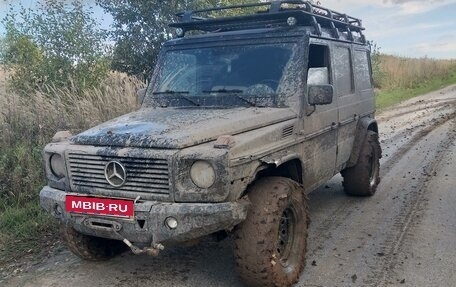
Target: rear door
348, 101
353, 87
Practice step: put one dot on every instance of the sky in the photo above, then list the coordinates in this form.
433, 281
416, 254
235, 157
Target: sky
413, 28
410, 28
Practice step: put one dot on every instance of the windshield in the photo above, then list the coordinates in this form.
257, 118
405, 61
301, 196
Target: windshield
250, 75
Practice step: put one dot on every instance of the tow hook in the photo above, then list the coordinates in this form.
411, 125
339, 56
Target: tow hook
153, 250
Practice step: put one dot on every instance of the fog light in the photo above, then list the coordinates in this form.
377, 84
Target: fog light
180, 32
171, 222
58, 210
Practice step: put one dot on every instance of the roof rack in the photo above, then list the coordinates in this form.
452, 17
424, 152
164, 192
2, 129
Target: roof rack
274, 14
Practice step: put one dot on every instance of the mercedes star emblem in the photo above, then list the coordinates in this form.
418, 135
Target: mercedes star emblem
115, 173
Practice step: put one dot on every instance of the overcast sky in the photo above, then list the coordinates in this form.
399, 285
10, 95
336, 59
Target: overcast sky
406, 27
413, 28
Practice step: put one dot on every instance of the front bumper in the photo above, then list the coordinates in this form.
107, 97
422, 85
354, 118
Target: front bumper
147, 226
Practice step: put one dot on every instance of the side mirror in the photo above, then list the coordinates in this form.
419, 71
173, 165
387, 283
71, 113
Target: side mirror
320, 94
140, 94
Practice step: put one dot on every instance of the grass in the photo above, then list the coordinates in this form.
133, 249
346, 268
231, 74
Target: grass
387, 98
27, 124
19, 225
398, 78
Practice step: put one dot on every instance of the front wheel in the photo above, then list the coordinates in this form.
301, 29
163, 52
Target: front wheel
363, 178
270, 245
90, 247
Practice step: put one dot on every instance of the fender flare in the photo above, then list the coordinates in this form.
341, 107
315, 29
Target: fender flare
364, 124
279, 158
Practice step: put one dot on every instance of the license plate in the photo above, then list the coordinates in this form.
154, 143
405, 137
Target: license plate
99, 206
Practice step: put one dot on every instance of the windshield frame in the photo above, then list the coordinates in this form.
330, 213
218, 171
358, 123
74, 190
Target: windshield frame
292, 101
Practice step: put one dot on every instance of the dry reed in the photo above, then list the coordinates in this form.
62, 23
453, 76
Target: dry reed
405, 73
28, 122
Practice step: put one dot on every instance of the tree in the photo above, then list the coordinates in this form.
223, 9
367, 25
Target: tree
57, 44
140, 28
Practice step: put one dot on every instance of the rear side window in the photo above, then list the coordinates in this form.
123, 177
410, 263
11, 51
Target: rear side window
362, 70
343, 74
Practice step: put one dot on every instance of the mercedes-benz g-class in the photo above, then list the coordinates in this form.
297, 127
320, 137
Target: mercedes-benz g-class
244, 115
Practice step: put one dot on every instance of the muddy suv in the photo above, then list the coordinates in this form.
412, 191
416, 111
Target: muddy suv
244, 116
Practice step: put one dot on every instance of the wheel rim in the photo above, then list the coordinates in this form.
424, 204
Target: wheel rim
373, 170
286, 235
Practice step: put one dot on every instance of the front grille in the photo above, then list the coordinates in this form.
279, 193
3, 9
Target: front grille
143, 174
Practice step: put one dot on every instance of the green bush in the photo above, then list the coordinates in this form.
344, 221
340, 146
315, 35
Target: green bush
52, 44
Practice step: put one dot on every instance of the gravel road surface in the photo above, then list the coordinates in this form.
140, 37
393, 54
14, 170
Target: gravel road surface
403, 236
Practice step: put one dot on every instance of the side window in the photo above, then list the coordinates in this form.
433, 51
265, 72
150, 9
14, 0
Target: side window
319, 65
343, 73
362, 70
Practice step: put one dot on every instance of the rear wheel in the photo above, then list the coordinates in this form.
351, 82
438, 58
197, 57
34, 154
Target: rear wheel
90, 247
270, 245
363, 178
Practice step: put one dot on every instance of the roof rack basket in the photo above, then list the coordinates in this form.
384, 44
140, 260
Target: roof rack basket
274, 14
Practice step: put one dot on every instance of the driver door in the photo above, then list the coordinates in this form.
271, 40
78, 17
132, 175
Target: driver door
320, 122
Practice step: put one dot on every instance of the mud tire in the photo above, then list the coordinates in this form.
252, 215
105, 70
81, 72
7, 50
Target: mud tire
363, 178
89, 247
257, 240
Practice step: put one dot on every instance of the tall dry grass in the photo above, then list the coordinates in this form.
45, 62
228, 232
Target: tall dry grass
28, 122
407, 73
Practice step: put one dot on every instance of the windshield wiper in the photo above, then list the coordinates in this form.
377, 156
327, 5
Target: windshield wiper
252, 104
234, 92
180, 94
237, 91
170, 92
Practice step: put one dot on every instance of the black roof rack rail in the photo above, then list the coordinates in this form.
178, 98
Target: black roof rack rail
276, 14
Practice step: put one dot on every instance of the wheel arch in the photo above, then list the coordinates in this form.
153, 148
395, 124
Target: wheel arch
373, 126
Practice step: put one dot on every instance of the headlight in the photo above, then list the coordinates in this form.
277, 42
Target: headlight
57, 165
202, 174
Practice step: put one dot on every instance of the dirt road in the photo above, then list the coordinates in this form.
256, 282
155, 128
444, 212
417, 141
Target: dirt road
405, 235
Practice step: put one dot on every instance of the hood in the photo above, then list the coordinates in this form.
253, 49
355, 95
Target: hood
177, 127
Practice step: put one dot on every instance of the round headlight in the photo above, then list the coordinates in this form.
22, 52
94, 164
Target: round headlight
57, 165
202, 174
291, 21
